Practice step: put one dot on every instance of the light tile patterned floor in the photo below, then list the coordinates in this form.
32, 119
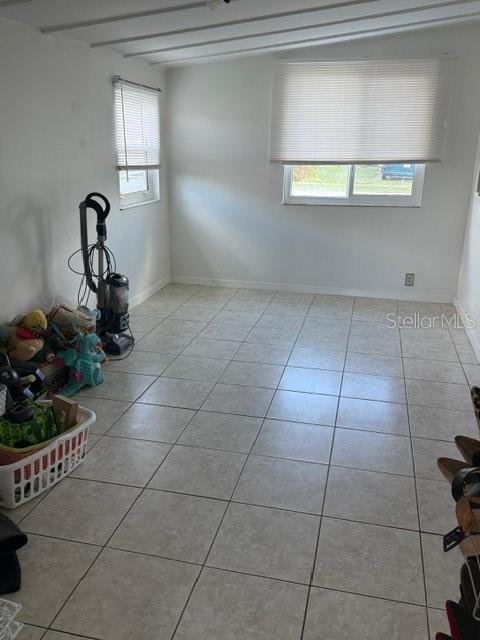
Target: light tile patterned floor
256, 473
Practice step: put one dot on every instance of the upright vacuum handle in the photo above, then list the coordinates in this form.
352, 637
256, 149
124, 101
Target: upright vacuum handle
102, 212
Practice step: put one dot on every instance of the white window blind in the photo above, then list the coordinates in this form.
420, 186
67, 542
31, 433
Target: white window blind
373, 111
137, 126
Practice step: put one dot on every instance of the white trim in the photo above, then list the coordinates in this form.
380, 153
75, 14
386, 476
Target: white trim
471, 335
149, 291
352, 200
301, 288
139, 204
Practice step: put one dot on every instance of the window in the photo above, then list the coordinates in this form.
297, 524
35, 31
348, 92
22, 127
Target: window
358, 132
138, 187
137, 142
354, 184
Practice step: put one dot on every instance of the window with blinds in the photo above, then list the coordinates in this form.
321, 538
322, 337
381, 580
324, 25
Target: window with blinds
361, 112
137, 126
137, 142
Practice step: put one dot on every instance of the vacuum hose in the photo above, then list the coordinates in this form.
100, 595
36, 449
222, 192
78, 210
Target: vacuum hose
102, 213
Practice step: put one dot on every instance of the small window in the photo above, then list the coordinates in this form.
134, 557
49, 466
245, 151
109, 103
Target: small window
385, 185
138, 187
137, 142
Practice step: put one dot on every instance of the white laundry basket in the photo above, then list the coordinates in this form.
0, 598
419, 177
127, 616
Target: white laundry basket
9, 627
27, 478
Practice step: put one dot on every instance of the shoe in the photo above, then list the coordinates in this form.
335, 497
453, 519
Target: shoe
475, 395
466, 483
462, 625
470, 449
450, 467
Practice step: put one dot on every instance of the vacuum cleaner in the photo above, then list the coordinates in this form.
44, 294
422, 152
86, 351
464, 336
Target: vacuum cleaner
111, 288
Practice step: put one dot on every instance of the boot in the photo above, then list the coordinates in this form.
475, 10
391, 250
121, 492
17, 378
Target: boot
462, 626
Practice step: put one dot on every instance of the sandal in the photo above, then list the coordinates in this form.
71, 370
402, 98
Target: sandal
466, 483
449, 467
470, 449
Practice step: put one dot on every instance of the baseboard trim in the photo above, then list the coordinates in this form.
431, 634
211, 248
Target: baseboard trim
300, 288
149, 291
474, 341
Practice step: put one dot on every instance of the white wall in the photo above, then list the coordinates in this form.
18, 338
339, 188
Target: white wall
227, 220
56, 145
468, 296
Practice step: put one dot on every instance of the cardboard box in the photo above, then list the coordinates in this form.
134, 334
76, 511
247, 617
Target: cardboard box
65, 411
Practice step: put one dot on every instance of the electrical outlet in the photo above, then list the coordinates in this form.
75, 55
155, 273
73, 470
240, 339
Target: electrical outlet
409, 279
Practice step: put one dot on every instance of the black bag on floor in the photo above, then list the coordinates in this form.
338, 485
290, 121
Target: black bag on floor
11, 539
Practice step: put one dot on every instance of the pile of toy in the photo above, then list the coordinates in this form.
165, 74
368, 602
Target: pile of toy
41, 355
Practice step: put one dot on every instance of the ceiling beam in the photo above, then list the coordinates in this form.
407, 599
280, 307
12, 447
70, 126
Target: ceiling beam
118, 18
231, 23
384, 14
310, 42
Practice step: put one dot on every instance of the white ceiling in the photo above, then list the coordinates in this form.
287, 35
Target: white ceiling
187, 31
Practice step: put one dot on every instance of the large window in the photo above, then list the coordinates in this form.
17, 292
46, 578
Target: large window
358, 132
358, 184
137, 142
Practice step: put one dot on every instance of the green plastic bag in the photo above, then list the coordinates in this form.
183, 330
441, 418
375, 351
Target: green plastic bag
40, 428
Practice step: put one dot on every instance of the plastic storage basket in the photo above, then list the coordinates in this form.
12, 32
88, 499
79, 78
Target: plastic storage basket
29, 477
9, 627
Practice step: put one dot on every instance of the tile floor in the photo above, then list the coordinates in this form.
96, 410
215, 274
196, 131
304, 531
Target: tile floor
262, 468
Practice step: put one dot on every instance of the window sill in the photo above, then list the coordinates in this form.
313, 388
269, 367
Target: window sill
395, 205
126, 207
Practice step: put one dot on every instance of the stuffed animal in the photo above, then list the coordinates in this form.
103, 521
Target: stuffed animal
26, 339
36, 322
84, 362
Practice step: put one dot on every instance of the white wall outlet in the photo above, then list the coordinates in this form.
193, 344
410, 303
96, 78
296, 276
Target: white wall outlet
409, 279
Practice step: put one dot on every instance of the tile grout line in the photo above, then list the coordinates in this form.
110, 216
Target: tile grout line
420, 538
227, 500
309, 424
327, 478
